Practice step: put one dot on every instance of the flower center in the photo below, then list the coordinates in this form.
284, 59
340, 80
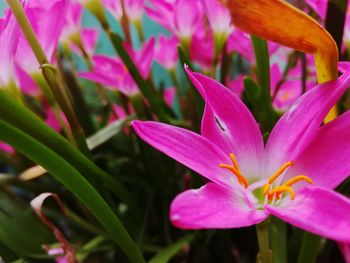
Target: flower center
269, 191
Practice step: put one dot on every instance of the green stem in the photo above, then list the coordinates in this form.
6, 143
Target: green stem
263, 72
262, 231
279, 240
309, 248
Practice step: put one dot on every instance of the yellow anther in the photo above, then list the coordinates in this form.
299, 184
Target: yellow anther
286, 187
279, 172
234, 162
235, 170
298, 179
279, 190
266, 188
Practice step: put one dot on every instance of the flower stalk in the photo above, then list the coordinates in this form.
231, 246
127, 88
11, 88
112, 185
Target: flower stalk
262, 231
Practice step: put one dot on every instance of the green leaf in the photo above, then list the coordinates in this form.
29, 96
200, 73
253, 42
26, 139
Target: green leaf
279, 240
74, 182
310, 248
19, 116
263, 72
106, 133
169, 252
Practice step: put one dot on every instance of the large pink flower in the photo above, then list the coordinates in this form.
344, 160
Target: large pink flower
292, 177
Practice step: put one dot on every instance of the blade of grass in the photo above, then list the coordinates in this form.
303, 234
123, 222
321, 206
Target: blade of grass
73, 181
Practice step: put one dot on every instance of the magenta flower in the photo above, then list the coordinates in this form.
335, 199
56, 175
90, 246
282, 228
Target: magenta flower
292, 177
72, 23
9, 34
240, 42
202, 48
345, 250
47, 23
319, 6
134, 9
219, 19
111, 72
290, 89
166, 52
181, 17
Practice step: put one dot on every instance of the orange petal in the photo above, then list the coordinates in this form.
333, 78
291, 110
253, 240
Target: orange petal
280, 22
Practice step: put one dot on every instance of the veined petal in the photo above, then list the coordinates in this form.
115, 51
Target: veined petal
213, 206
319, 211
188, 148
326, 159
300, 123
228, 123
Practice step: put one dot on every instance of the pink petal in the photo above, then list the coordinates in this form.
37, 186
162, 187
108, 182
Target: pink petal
325, 160
319, 211
89, 38
213, 206
343, 66
345, 250
228, 123
300, 123
188, 148
169, 96
319, 6
48, 24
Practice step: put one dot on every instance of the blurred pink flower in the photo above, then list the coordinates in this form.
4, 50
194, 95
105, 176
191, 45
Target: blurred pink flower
9, 35
72, 21
240, 42
319, 6
134, 9
202, 48
219, 18
345, 250
166, 52
230, 152
181, 17
287, 90
6, 148
47, 23
111, 72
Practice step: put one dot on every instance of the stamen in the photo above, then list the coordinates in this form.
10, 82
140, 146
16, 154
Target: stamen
234, 162
286, 187
279, 172
235, 170
298, 179
241, 178
279, 190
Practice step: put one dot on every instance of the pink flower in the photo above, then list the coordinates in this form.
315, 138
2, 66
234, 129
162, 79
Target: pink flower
202, 48
345, 250
290, 89
47, 23
9, 34
6, 148
166, 52
134, 9
290, 178
181, 17
319, 6
219, 18
72, 23
111, 72
240, 42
